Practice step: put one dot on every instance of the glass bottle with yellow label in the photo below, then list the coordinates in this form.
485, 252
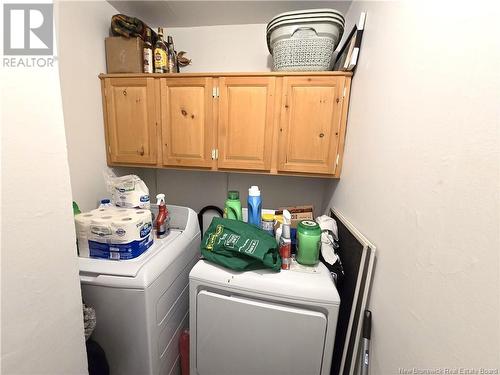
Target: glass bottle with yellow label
160, 53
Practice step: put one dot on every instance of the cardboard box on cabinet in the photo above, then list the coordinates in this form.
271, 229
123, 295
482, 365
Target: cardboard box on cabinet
124, 55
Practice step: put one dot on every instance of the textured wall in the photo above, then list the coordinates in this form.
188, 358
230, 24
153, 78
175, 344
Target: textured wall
42, 321
421, 180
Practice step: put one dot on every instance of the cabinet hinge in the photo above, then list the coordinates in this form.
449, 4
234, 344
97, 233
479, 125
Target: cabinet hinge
109, 149
345, 92
215, 92
215, 154
337, 161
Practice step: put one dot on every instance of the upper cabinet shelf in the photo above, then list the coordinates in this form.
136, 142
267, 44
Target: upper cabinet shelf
225, 74
279, 123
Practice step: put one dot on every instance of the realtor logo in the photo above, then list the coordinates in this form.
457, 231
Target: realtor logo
28, 29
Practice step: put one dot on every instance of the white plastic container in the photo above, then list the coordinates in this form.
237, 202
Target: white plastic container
306, 12
323, 27
304, 46
309, 18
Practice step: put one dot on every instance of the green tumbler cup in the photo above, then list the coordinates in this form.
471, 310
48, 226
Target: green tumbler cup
308, 242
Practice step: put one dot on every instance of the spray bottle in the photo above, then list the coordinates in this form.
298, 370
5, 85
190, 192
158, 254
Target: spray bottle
285, 245
162, 224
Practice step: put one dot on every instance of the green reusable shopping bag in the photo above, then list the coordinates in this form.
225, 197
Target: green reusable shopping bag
239, 246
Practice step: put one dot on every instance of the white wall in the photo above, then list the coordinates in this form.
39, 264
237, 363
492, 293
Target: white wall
198, 189
421, 180
82, 27
42, 321
228, 48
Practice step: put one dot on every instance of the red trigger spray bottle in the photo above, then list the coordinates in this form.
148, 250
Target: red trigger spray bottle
162, 224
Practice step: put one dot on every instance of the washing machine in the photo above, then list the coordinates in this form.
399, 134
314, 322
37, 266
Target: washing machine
142, 304
261, 322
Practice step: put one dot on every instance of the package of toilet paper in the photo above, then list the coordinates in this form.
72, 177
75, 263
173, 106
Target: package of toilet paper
114, 233
128, 191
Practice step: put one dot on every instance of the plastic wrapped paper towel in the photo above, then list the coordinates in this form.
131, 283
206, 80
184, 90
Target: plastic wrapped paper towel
128, 191
114, 233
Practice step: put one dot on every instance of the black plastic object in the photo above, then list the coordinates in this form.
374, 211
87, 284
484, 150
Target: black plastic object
356, 266
367, 325
205, 209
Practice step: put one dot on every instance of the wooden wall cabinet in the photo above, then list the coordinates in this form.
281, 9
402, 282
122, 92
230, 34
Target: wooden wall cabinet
186, 122
246, 112
310, 124
274, 123
130, 119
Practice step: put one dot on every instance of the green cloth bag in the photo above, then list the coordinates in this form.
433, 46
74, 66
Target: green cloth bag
239, 246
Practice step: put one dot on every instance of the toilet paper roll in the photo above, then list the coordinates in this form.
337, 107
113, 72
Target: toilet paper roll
114, 233
100, 228
113, 211
82, 225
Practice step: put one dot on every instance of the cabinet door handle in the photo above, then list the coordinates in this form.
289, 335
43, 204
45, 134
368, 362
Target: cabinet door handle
124, 92
141, 151
321, 135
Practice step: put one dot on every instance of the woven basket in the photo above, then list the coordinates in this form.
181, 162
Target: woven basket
304, 51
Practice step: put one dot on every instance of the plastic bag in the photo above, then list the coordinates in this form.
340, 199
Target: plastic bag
239, 246
128, 191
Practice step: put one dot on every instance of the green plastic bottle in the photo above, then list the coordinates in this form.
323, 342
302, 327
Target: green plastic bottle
232, 207
308, 242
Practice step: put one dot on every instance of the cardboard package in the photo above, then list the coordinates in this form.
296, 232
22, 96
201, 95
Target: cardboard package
298, 213
124, 55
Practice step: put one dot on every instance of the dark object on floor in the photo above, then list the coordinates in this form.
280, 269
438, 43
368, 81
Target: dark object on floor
96, 359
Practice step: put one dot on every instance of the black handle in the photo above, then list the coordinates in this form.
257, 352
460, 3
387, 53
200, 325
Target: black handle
367, 324
205, 209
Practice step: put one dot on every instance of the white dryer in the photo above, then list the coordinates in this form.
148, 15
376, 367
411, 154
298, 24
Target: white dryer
142, 304
261, 322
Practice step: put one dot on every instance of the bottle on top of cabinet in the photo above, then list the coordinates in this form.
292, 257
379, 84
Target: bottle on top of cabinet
172, 56
148, 53
160, 53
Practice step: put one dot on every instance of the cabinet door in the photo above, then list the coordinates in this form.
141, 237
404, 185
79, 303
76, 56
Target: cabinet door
310, 124
131, 120
187, 131
246, 111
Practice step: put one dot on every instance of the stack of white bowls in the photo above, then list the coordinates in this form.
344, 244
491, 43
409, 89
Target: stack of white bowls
305, 39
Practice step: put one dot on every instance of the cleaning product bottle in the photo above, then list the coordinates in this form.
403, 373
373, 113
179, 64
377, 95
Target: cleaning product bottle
162, 224
232, 207
254, 206
285, 243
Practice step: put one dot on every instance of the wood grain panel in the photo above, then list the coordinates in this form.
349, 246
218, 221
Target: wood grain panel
186, 107
131, 126
246, 112
310, 124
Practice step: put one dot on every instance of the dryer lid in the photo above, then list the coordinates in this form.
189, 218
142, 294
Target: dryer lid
313, 284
